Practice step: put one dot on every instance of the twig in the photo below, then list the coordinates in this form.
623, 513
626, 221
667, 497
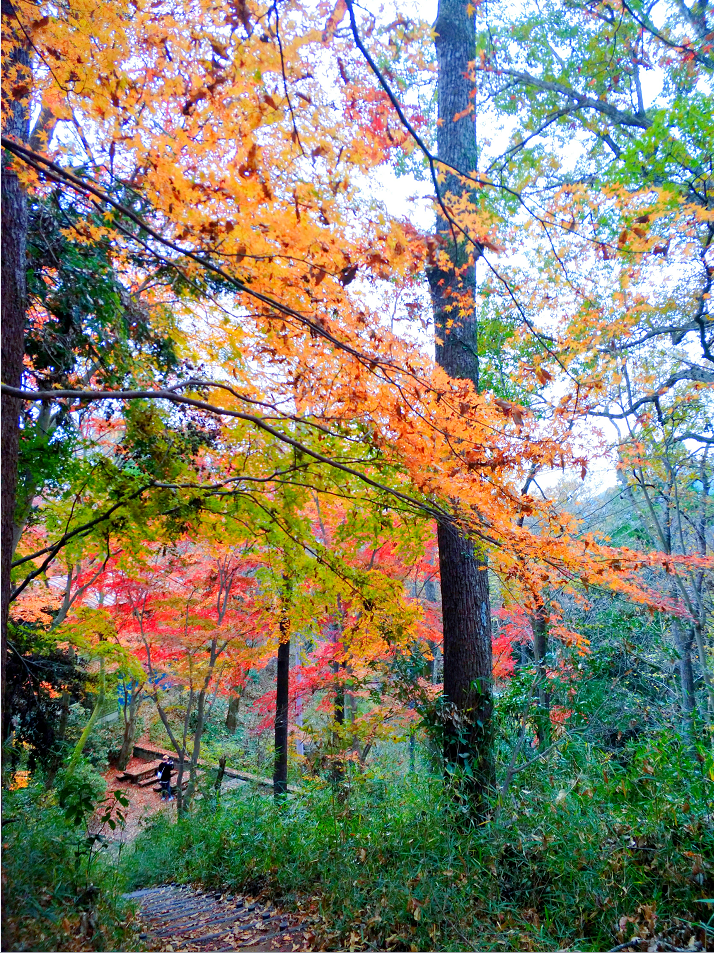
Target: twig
623, 946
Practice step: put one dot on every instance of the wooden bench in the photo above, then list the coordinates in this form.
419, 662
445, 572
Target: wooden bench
184, 781
137, 775
145, 782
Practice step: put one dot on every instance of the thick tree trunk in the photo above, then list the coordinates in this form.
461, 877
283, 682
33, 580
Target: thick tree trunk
232, 714
13, 251
127, 742
468, 727
282, 698
130, 720
468, 721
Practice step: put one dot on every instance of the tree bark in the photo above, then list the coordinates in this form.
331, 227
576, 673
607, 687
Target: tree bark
338, 765
14, 294
221, 773
282, 698
467, 659
683, 642
131, 714
539, 623
468, 713
127, 742
299, 744
232, 713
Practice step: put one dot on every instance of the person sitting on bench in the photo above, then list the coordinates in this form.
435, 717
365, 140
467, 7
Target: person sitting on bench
163, 772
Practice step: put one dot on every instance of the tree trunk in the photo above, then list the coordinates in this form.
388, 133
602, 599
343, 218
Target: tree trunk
221, 773
539, 623
130, 719
282, 698
198, 733
299, 744
697, 633
79, 747
232, 714
468, 722
181, 803
468, 726
13, 252
434, 664
127, 742
683, 642
338, 765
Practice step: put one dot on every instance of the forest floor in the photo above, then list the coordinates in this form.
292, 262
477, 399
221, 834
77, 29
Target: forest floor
144, 803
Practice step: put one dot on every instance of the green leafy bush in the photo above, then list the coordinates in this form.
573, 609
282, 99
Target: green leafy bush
60, 892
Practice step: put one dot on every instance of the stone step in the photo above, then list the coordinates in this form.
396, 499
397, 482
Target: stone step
179, 912
186, 919
211, 921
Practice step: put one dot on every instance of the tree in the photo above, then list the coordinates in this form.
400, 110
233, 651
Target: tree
468, 728
130, 703
178, 618
15, 125
282, 691
620, 241
298, 380
668, 485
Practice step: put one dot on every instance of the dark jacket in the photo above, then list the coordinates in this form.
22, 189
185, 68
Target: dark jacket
164, 771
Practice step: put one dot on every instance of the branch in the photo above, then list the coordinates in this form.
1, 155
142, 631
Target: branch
690, 435
175, 398
55, 547
637, 121
62, 177
695, 374
685, 48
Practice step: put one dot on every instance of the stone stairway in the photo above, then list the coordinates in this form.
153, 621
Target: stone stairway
182, 918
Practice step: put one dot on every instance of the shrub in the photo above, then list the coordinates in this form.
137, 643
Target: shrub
59, 891
567, 863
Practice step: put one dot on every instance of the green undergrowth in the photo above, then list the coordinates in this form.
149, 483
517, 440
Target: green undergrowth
622, 846
61, 886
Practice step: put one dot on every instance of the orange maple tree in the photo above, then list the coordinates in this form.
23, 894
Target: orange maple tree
231, 144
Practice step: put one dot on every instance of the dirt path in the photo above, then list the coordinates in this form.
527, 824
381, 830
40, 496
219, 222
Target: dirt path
144, 803
182, 918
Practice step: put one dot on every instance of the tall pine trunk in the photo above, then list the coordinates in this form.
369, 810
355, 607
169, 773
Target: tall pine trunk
468, 724
16, 76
